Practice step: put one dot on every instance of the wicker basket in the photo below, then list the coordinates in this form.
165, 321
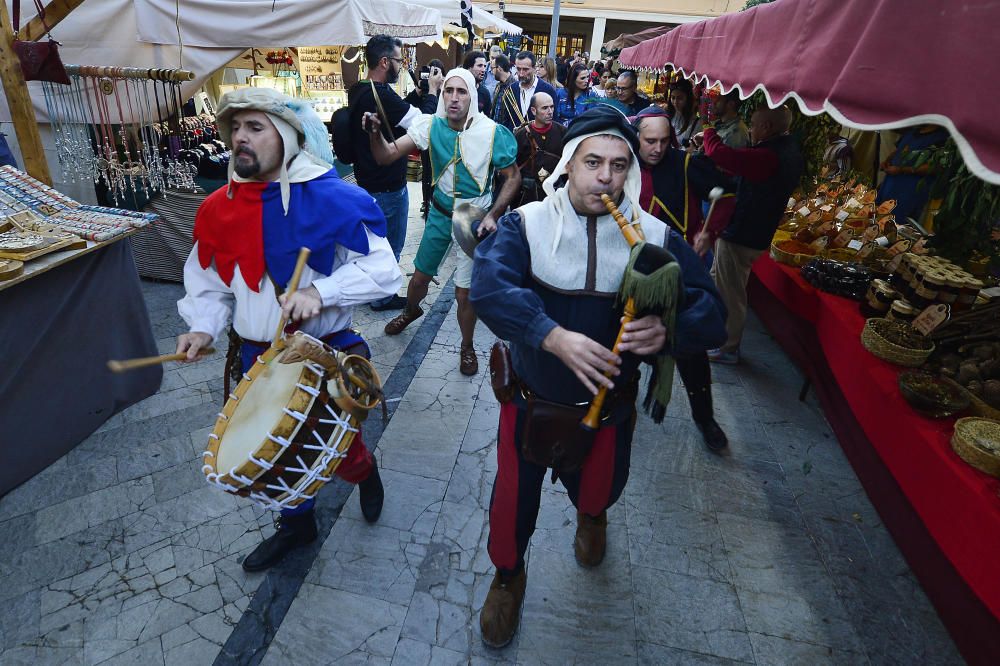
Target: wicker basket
789, 258
977, 441
873, 341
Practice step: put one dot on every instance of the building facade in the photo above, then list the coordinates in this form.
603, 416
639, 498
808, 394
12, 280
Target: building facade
585, 25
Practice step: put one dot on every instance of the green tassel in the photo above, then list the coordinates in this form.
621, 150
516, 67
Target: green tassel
659, 292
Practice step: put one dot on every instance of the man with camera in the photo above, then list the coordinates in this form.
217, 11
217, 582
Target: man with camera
416, 98
387, 184
539, 148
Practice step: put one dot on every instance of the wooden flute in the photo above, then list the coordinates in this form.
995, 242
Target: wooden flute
633, 235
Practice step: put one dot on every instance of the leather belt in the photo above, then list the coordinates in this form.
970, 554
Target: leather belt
616, 396
439, 208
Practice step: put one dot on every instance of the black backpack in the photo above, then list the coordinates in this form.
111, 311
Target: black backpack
343, 137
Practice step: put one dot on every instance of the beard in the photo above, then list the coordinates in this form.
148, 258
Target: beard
392, 75
246, 169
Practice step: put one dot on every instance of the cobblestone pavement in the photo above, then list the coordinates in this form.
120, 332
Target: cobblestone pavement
119, 553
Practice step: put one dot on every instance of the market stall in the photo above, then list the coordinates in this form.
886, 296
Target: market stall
856, 296
71, 300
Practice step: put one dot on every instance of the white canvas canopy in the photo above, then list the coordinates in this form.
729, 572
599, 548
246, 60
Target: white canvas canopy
144, 33
451, 13
241, 23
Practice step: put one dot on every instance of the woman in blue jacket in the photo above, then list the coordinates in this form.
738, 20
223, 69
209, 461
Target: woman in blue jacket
576, 97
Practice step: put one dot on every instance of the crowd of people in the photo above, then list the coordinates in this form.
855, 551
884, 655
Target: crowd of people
520, 141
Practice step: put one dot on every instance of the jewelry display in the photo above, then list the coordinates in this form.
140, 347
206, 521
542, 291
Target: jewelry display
126, 128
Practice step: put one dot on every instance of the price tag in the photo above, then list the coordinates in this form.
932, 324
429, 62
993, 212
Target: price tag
871, 233
826, 208
823, 228
842, 215
821, 243
791, 203
931, 318
899, 248
883, 241
855, 244
893, 265
843, 238
852, 204
803, 212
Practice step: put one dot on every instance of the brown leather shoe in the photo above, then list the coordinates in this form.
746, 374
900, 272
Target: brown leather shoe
399, 323
468, 363
502, 610
591, 538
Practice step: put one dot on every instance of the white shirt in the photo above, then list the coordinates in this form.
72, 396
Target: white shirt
355, 279
525, 95
413, 113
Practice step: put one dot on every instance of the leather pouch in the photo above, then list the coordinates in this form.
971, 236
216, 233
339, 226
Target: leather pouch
40, 61
502, 373
553, 436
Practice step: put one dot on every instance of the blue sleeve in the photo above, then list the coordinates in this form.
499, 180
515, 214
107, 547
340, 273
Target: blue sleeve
701, 319
498, 292
561, 105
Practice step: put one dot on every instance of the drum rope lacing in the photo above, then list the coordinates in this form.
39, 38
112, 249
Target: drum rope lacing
329, 452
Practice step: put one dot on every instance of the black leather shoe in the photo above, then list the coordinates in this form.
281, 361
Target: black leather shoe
397, 302
372, 494
292, 532
715, 438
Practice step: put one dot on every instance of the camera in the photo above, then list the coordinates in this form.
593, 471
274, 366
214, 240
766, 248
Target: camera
425, 74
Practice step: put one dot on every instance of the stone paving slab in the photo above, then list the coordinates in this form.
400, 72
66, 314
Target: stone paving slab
118, 553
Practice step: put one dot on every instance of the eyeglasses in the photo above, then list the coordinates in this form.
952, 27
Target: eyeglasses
620, 89
398, 60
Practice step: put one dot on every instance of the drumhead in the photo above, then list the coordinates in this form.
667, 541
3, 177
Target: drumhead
257, 413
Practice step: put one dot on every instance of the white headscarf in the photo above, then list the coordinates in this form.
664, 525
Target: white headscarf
475, 142
633, 181
470, 84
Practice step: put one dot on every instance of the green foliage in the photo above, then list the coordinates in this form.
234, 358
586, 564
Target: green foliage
970, 207
753, 3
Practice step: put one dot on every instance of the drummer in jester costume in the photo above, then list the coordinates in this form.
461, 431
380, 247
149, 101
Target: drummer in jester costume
466, 149
548, 281
284, 195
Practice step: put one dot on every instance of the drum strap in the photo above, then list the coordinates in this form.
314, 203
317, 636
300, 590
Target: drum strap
347, 340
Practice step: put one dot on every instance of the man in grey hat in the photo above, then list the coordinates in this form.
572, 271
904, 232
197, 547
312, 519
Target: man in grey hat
283, 193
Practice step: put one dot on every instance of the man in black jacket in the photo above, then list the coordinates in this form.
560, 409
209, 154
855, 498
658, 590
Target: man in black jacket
475, 62
506, 110
528, 84
768, 171
387, 184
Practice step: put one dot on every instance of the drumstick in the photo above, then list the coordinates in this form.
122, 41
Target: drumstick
133, 363
292, 287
